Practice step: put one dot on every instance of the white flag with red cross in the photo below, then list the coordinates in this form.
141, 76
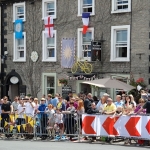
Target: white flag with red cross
49, 26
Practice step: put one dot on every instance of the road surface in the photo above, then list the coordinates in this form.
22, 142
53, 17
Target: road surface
39, 145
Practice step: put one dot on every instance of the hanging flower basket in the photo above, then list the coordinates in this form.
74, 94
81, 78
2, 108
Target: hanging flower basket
63, 81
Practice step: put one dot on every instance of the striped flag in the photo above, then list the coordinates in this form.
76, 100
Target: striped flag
85, 20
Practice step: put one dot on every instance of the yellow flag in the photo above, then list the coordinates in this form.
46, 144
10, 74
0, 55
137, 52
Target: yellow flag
31, 123
16, 116
0, 118
18, 127
11, 118
29, 119
6, 123
24, 126
24, 116
11, 127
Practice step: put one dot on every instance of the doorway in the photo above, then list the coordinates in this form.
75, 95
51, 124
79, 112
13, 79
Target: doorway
85, 88
13, 91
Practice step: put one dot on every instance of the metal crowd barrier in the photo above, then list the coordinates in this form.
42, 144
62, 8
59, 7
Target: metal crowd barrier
27, 126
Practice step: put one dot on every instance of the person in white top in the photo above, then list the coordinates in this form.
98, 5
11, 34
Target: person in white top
29, 107
59, 122
36, 101
20, 112
29, 111
101, 104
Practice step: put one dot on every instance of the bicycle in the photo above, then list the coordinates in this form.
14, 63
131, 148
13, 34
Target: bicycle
84, 66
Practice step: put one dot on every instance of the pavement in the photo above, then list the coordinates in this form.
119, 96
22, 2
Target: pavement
42, 145
18, 144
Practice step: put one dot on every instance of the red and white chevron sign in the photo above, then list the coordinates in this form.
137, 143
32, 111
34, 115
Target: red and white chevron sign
126, 126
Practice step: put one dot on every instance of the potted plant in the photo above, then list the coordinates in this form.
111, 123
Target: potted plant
63, 81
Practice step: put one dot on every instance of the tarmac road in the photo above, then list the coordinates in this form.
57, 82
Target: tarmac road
39, 145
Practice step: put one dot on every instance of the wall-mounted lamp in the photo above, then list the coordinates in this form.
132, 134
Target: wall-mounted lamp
140, 54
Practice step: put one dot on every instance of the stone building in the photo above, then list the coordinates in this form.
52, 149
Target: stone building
120, 28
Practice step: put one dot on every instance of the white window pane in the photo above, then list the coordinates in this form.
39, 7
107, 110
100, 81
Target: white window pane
50, 82
121, 52
50, 52
20, 10
50, 41
50, 6
20, 42
122, 1
21, 53
121, 36
87, 2
87, 37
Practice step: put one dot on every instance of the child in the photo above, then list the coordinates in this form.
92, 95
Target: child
50, 113
58, 126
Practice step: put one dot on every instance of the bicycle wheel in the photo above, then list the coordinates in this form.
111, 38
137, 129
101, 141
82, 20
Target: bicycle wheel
87, 68
74, 68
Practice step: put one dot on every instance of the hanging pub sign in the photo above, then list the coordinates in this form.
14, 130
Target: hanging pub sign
96, 50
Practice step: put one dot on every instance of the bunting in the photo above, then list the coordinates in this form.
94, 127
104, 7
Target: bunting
18, 127
11, 128
24, 126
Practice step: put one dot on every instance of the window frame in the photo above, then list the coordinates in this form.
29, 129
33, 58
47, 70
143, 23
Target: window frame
44, 76
121, 10
80, 7
44, 9
80, 39
44, 42
15, 56
15, 5
113, 42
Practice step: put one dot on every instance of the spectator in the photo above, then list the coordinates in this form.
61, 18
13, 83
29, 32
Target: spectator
119, 111
59, 123
15, 104
118, 101
61, 104
87, 102
74, 103
29, 111
7, 108
128, 102
51, 120
70, 95
110, 108
80, 111
69, 119
36, 101
123, 98
139, 109
43, 118
93, 109
49, 99
20, 112
1, 102
55, 100
101, 104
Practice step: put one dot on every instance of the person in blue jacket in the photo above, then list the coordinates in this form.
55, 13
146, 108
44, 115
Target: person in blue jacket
43, 118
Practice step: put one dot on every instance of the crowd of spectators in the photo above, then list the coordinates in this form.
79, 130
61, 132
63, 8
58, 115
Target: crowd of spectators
58, 116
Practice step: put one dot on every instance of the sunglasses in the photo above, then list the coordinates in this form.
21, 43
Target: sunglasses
42, 100
141, 102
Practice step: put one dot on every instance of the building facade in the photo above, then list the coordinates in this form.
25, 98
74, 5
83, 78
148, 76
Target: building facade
34, 62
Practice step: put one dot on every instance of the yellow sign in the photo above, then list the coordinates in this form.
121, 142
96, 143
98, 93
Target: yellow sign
83, 65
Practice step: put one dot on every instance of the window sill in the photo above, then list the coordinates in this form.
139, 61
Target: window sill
54, 17
19, 60
49, 60
80, 15
120, 11
24, 20
119, 60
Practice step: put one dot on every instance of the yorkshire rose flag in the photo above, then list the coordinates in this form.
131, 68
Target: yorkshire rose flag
85, 20
49, 26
